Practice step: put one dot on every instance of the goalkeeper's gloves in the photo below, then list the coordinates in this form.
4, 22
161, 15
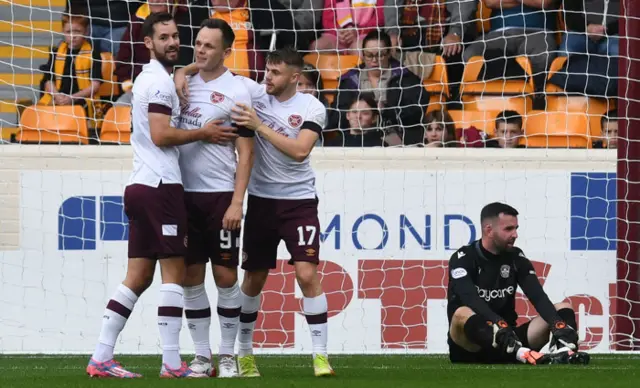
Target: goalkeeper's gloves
504, 338
563, 335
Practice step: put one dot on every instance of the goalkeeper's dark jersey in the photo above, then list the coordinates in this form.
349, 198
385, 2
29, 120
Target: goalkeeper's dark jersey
488, 283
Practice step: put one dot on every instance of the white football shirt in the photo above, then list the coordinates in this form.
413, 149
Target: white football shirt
274, 174
153, 91
211, 167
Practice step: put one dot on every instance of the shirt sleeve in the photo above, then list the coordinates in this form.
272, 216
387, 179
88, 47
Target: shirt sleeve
161, 98
316, 117
461, 267
245, 98
530, 284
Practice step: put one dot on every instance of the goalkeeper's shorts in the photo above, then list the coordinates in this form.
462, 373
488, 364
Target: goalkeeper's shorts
458, 354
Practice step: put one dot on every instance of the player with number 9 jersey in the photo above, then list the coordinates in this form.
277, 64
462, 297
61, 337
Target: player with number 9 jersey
215, 182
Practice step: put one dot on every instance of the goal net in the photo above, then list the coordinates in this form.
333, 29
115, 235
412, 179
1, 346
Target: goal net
403, 168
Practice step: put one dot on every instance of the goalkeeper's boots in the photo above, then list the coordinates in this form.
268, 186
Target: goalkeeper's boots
247, 366
536, 358
109, 368
568, 356
321, 366
202, 364
184, 372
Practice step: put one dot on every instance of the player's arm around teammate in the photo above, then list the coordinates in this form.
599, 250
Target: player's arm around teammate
154, 204
297, 148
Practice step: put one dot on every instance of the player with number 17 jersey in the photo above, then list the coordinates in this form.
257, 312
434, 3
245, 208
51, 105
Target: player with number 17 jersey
282, 203
281, 183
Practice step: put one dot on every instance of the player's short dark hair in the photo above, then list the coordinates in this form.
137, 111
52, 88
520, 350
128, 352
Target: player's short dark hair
288, 55
228, 36
377, 35
148, 27
509, 117
493, 210
611, 115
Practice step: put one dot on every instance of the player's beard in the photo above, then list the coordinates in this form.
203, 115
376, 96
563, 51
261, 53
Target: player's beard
164, 60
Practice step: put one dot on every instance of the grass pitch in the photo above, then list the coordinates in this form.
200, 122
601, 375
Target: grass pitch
605, 371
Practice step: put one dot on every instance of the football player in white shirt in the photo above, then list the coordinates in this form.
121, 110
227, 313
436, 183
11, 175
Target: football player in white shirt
215, 185
154, 204
282, 203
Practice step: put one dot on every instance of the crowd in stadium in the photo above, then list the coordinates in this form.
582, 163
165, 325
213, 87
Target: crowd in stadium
427, 73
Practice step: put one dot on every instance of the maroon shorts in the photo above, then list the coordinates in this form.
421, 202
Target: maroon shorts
157, 221
207, 239
268, 221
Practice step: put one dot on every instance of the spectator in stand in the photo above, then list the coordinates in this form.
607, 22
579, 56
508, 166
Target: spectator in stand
508, 130
133, 54
310, 82
307, 15
520, 27
439, 129
346, 22
437, 27
109, 19
364, 125
609, 124
254, 22
398, 92
589, 30
72, 74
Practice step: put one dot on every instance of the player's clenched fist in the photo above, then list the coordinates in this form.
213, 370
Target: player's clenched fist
246, 117
217, 133
504, 338
563, 335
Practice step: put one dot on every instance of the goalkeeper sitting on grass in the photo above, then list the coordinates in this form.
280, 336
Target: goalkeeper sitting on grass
483, 279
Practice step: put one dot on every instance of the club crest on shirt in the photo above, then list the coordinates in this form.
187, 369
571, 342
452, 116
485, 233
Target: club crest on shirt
504, 271
217, 98
295, 120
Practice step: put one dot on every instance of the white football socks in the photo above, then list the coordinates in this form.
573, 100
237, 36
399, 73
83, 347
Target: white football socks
113, 321
198, 313
170, 323
229, 302
248, 317
315, 310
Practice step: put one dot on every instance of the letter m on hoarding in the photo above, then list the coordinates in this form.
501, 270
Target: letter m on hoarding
78, 222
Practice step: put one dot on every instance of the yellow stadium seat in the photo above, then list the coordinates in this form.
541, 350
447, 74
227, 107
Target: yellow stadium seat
495, 94
483, 120
331, 67
560, 101
483, 16
438, 82
116, 127
557, 130
471, 85
520, 104
109, 87
42, 124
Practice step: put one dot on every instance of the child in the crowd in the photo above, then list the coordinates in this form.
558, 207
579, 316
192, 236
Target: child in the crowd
72, 74
439, 129
363, 131
609, 123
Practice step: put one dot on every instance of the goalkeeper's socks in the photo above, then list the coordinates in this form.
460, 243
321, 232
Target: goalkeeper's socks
479, 332
170, 323
315, 310
229, 302
198, 313
569, 317
113, 320
248, 316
